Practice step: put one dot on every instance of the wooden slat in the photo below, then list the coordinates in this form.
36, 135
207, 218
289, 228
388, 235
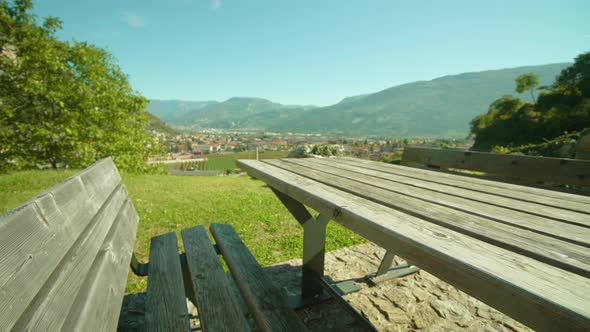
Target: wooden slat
264, 299
564, 215
35, 237
165, 308
562, 254
98, 303
218, 308
550, 227
97, 178
567, 171
543, 196
47, 311
539, 295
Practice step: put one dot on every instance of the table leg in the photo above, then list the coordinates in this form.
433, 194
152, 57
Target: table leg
314, 240
314, 243
386, 272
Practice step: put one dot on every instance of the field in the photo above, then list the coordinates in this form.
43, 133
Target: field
169, 203
261, 154
225, 161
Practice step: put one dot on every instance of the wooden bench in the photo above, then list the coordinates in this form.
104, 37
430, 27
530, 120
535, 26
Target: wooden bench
519, 168
64, 260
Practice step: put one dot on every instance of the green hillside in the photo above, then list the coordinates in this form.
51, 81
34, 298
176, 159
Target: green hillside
227, 114
167, 110
236, 112
440, 107
154, 123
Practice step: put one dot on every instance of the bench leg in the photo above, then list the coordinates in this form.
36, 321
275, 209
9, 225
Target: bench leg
386, 272
138, 268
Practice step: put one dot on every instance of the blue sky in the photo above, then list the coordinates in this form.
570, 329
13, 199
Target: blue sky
317, 51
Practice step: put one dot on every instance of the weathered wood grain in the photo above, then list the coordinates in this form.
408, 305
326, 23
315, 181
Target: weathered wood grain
264, 299
513, 203
98, 303
539, 295
218, 307
46, 311
36, 236
567, 171
165, 308
544, 196
546, 226
562, 254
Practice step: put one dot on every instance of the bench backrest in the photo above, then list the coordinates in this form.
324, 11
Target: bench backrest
528, 168
64, 255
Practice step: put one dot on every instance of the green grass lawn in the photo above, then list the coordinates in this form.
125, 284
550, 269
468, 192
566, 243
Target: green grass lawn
261, 154
167, 203
225, 161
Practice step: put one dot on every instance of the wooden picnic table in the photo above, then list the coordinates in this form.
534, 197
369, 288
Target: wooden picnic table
523, 250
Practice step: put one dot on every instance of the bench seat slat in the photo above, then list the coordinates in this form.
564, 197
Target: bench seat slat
165, 308
217, 304
264, 299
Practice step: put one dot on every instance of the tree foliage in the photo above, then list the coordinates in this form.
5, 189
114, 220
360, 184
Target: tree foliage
527, 82
564, 107
64, 102
326, 150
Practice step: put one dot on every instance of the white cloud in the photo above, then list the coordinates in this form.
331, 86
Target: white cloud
215, 4
133, 19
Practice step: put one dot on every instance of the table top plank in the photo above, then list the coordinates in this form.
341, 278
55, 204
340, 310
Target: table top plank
549, 197
540, 224
559, 253
539, 295
561, 214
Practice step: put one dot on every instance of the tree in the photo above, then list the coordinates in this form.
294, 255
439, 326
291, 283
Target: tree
64, 102
562, 107
527, 82
575, 74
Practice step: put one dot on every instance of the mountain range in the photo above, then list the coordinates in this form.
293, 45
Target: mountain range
440, 107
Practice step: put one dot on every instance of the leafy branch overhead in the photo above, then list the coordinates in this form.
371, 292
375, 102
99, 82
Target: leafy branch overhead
64, 102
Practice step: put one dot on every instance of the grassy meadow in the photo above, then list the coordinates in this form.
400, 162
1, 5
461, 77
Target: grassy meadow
168, 203
225, 161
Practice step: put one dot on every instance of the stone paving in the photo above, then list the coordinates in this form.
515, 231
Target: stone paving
418, 302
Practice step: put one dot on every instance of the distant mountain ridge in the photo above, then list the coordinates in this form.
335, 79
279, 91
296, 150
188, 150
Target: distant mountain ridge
168, 110
440, 107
